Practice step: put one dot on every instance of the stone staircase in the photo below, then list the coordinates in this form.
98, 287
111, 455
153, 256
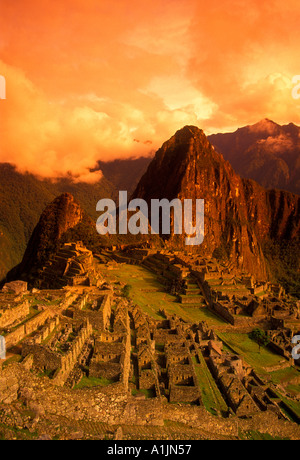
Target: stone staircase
192, 295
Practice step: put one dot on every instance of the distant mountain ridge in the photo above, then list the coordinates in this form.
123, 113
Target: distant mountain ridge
266, 152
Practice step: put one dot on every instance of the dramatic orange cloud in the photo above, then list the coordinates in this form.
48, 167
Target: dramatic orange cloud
86, 79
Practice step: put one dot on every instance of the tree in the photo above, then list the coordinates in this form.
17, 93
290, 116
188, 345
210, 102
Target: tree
126, 290
260, 337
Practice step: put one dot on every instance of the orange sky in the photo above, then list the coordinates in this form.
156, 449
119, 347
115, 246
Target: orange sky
85, 78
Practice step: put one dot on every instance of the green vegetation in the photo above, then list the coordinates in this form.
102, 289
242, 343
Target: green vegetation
46, 373
126, 291
283, 258
24, 197
16, 432
283, 376
258, 436
242, 345
260, 337
85, 232
89, 382
293, 405
148, 393
211, 396
13, 359
147, 292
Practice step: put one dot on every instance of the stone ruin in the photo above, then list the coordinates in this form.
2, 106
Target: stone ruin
15, 287
72, 265
90, 334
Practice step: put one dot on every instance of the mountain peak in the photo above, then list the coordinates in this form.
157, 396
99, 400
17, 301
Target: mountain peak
266, 152
189, 130
238, 213
265, 125
188, 142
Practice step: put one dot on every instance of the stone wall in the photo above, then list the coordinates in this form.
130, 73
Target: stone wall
8, 387
223, 311
98, 318
43, 358
69, 360
107, 370
184, 394
115, 408
27, 328
13, 313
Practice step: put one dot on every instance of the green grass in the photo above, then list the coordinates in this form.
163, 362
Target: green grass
142, 280
202, 314
248, 349
19, 433
211, 396
294, 405
46, 373
293, 389
13, 359
258, 436
283, 376
89, 382
147, 393
242, 345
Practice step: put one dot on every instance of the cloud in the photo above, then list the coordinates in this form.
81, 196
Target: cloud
278, 144
86, 79
53, 140
244, 57
66, 139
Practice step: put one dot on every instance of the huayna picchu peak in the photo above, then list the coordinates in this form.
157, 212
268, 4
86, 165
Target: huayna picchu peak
239, 214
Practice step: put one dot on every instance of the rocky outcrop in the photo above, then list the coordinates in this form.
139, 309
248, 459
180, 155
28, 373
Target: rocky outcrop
58, 217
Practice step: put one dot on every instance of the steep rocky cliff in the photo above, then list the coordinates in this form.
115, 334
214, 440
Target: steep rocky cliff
239, 213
